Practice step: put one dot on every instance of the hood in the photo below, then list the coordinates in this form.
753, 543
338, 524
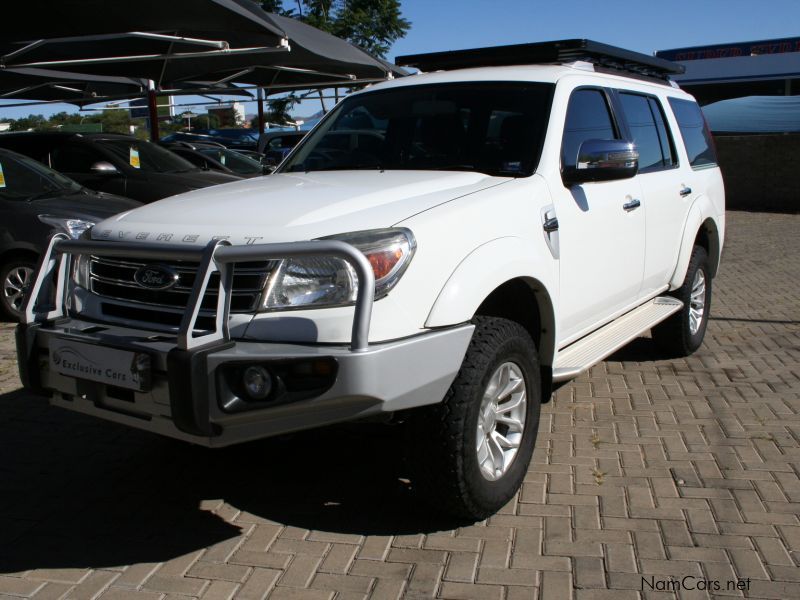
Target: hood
89, 205
293, 206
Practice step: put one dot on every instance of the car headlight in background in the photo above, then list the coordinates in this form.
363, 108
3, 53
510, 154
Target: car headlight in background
318, 282
73, 227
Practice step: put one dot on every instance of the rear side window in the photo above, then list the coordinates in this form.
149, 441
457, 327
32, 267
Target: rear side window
694, 131
649, 132
74, 158
588, 118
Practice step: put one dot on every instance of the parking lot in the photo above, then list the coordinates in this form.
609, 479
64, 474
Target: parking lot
652, 478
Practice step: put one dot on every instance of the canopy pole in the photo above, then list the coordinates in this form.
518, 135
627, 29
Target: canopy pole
260, 100
153, 108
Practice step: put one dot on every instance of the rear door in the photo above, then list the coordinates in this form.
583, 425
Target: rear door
666, 195
601, 226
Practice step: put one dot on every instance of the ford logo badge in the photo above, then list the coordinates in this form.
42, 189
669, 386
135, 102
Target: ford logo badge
155, 277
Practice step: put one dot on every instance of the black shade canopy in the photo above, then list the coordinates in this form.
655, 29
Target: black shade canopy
45, 19
181, 40
75, 88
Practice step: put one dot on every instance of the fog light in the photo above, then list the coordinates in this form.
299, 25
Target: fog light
257, 382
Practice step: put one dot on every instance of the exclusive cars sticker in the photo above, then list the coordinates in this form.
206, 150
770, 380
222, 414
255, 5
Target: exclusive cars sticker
121, 368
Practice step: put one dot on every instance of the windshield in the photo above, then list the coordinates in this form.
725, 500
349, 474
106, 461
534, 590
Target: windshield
147, 156
236, 162
491, 127
23, 178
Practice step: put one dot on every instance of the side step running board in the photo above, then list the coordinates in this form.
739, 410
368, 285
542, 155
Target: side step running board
579, 356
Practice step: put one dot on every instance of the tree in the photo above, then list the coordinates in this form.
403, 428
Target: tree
373, 25
28, 123
206, 121
116, 121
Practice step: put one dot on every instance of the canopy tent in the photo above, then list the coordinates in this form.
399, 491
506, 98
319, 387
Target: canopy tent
172, 48
59, 86
98, 17
754, 114
182, 46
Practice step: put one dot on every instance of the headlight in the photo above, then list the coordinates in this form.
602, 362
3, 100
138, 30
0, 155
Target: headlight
73, 227
324, 282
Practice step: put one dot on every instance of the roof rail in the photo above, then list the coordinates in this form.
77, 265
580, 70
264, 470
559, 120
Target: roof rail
559, 51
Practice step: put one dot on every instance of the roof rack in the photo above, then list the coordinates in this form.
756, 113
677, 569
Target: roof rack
559, 51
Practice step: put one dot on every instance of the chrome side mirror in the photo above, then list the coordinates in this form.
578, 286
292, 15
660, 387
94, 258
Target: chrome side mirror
603, 160
104, 168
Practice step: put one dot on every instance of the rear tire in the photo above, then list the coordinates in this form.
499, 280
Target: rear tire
683, 333
471, 452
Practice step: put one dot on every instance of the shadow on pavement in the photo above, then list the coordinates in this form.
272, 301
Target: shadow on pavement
80, 492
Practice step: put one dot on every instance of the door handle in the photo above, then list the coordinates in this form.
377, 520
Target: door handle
550, 225
632, 205
685, 192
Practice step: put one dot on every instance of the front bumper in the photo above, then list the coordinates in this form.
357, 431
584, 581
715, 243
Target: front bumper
189, 389
184, 384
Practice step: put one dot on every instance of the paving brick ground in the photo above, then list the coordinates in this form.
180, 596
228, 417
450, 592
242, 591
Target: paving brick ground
648, 471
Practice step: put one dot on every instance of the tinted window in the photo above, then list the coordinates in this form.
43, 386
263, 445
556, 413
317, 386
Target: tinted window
233, 160
694, 131
648, 131
24, 178
588, 118
151, 157
75, 158
493, 127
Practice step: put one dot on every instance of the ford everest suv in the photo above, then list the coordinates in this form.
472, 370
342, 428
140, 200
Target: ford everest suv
441, 248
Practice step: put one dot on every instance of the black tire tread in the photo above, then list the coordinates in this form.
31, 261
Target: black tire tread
437, 460
672, 335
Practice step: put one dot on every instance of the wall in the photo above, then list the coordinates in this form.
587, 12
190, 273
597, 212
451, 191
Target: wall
761, 172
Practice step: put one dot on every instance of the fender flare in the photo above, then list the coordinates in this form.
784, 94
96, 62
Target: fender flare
484, 270
701, 212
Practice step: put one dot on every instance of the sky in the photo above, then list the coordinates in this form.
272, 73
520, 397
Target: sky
643, 26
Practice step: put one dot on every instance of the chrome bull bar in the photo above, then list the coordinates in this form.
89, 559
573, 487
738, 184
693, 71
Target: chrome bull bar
217, 255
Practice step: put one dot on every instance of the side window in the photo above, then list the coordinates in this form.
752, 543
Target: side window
588, 118
74, 158
649, 132
694, 131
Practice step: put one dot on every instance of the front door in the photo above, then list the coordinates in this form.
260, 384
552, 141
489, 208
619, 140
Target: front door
601, 227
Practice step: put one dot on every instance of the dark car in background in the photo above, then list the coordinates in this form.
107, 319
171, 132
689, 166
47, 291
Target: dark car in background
192, 138
117, 164
35, 203
235, 139
275, 145
218, 158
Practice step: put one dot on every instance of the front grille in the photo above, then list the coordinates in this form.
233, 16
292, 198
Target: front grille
113, 279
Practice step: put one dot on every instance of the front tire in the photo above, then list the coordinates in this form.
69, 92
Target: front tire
16, 277
471, 452
682, 333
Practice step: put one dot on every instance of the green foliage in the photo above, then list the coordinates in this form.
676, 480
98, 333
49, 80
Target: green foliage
112, 121
116, 121
205, 122
36, 122
373, 25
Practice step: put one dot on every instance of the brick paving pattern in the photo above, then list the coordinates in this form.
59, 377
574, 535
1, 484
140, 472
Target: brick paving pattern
646, 470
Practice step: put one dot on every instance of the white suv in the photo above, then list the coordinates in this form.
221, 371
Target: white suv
441, 248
